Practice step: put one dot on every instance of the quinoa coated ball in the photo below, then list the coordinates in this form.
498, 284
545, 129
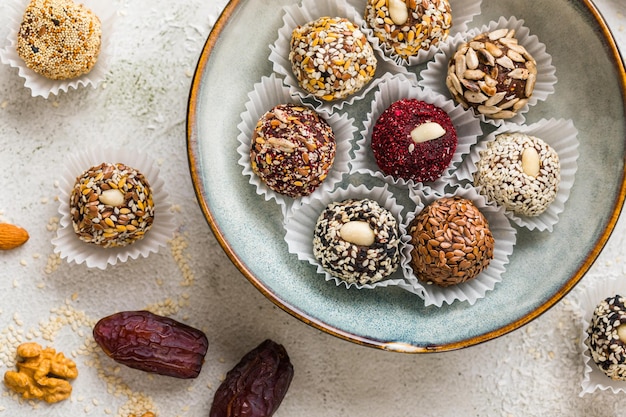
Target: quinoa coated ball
331, 58
357, 241
292, 150
59, 39
111, 205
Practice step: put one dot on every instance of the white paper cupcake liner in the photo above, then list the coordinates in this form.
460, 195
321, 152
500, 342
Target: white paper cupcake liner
434, 76
301, 223
267, 93
473, 290
307, 11
395, 87
70, 247
463, 12
587, 299
561, 135
42, 86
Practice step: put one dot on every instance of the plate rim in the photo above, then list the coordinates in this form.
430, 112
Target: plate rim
192, 141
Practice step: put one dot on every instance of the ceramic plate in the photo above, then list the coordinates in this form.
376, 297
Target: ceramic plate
544, 266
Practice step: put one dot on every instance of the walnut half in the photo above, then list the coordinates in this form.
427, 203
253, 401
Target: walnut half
41, 374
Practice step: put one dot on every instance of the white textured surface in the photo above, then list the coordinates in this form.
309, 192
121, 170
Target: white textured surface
534, 371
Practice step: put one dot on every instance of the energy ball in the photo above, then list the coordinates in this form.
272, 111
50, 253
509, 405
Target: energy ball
492, 74
606, 337
59, 39
409, 26
292, 150
357, 241
519, 172
413, 140
451, 241
111, 205
331, 58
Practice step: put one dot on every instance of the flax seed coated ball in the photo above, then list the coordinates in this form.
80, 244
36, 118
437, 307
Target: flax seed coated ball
413, 140
606, 337
111, 205
408, 26
331, 58
59, 39
452, 242
292, 149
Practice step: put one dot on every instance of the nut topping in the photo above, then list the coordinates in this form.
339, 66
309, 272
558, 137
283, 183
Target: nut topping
112, 197
427, 131
358, 232
398, 12
530, 162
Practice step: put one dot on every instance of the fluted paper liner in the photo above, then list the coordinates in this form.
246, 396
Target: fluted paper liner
70, 247
307, 11
300, 226
434, 76
587, 299
42, 86
269, 92
396, 87
463, 12
470, 291
561, 135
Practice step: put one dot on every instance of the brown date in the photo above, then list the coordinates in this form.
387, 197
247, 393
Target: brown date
256, 386
152, 343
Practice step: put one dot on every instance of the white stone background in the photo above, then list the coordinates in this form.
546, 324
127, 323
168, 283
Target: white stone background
533, 371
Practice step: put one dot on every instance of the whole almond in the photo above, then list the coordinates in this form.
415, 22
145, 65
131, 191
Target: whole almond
12, 236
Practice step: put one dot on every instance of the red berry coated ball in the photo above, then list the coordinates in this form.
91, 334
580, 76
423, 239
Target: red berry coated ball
414, 140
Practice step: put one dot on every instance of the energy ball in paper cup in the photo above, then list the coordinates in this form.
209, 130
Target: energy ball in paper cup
527, 169
411, 31
351, 235
458, 249
298, 169
498, 71
601, 305
325, 56
113, 206
40, 53
393, 147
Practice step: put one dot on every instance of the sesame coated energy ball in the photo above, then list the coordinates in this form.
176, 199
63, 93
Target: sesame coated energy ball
606, 337
357, 241
408, 26
331, 58
452, 242
292, 150
519, 172
111, 205
59, 39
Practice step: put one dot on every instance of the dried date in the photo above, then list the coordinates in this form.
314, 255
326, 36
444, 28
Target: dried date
152, 343
256, 386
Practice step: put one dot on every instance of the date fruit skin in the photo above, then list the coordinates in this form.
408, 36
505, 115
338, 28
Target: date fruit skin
152, 343
256, 386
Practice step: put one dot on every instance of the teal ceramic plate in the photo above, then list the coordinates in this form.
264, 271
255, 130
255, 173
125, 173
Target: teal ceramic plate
544, 266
